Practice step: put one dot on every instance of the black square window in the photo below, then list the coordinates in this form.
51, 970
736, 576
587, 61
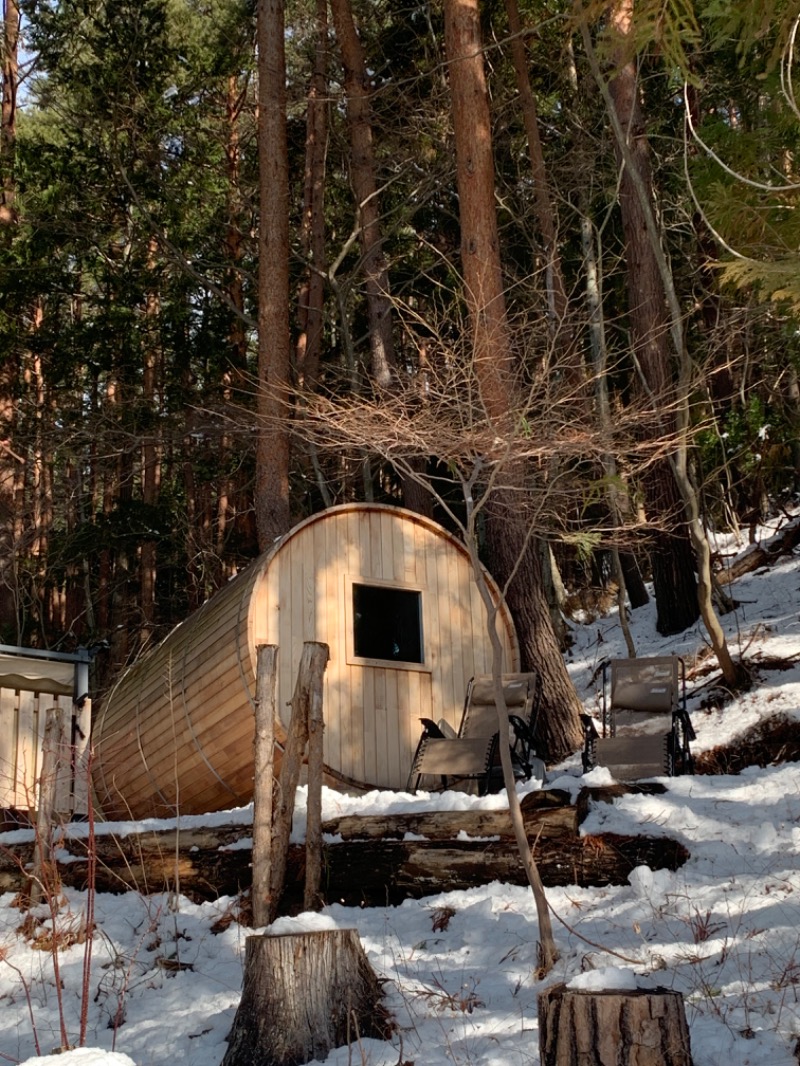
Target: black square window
387, 623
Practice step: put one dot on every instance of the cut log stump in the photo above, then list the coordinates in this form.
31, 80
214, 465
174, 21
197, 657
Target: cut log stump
632, 1027
304, 994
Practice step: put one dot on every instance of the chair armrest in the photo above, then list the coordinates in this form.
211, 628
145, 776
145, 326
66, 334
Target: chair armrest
431, 729
589, 728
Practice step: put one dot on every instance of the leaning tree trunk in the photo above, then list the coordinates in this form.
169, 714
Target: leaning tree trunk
304, 994
491, 351
311, 298
561, 332
622, 103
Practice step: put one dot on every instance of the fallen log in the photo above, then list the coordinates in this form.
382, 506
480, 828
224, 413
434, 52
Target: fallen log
387, 873
547, 813
765, 553
372, 871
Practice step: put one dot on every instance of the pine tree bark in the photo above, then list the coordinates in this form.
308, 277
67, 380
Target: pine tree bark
365, 187
8, 113
273, 515
304, 994
514, 558
672, 558
312, 230
634, 1027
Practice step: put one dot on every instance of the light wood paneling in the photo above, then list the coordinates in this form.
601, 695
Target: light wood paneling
22, 721
178, 728
9, 722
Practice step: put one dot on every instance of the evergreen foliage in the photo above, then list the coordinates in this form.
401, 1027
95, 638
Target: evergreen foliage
127, 327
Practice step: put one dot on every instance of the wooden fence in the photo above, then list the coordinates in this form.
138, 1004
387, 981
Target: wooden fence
23, 716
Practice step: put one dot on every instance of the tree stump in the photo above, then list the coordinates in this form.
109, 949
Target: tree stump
304, 994
615, 1027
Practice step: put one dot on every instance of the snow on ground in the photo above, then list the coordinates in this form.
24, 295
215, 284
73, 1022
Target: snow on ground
724, 930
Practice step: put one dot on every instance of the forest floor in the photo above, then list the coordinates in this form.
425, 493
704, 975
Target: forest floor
165, 974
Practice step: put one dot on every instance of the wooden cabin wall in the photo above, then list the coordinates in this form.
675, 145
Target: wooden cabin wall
177, 732
372, 712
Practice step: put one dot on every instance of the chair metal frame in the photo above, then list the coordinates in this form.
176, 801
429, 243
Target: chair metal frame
472, 754
628, 690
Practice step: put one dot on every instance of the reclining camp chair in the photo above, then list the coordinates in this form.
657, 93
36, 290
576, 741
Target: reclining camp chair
646, 727
472, 754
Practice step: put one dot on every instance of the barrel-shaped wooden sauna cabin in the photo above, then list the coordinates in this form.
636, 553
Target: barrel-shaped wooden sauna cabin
393, 596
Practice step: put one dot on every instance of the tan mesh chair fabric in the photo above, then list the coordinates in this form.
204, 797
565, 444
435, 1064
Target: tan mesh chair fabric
472, 753
632, 757
443, 757
646, 728
647, 685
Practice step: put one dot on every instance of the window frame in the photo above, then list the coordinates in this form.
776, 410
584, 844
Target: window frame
350, 637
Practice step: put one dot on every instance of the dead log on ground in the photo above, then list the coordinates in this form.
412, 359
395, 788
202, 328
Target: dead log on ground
213, 862
764, 554
547, 814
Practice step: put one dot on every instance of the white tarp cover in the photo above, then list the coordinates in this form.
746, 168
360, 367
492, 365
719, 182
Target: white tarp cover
37, 675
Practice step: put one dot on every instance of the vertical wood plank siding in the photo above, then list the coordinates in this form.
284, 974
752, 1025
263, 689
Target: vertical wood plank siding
177, 731
22, 721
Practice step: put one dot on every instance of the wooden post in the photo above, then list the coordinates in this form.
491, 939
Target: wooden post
45, 872
265, 709
615, 1027
81, 759
309, 678
316, 725
64, 788
304, 994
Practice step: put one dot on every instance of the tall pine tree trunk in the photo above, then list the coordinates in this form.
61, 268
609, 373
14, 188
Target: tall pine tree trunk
365, 187
11, 464
562, 336
231, 498
273, 516
312, 230
514, 558
151, 455
672, 558
8, 112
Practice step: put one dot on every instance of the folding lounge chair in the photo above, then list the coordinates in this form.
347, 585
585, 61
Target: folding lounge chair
472, 754
645, 725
